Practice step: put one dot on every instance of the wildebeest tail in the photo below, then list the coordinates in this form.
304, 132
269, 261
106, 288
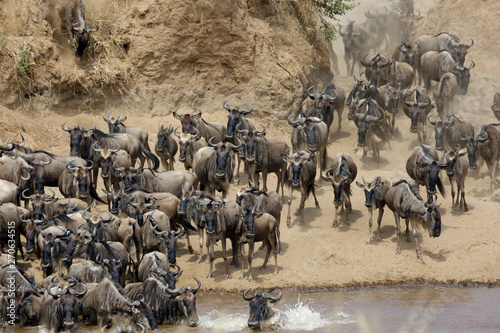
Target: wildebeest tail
324, 166
310, 189
94, 195
151, 156
440, 187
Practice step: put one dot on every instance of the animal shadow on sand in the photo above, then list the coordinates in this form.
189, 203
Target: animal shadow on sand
354, 216
423, 238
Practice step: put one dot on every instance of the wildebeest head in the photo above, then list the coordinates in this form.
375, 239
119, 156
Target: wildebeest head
95, 224
48, 245
80, 179
377, 68
433, 219
409, 52
433, 169
114, 123
187, 303
459, 51
297, 161
82, 237
406, 23
185, 139
310, 130
38, 174
82, 37
473, 143
247, 219
142, 208
114, 197
341, 181
66, 293
392, 97
464, 75
417, 105
250, 143
170, 238
76, 135
30, 308
130, 176
164, 137
234, 118
38, 204
105, 157
349, 37
358, 91
369, 189
260, 309
210, 214
365, 122
187, 120
323, 101
19, 146
32, 231
223, 157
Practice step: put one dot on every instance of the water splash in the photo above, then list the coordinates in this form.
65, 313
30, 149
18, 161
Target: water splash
298, 317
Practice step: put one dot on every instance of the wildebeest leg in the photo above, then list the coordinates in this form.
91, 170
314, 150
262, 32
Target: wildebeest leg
235, 244
242, 258
335, 218
301, 207
211, 255
224, 256
272, 241
398, 226
251, 247
190, 247
264, 179
339, 110
289, 218
278, 220
370, 213
171, 163
201, 245
379, 222
453, 204
348, 67
462, 187
316, 203
419, 255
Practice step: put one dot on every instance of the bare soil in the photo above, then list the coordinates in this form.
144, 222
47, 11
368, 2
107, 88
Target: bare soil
246, 54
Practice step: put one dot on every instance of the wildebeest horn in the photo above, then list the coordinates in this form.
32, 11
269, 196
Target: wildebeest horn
312, 96
263, 132
159, 233
242, 132
175, 132
45, 163
25, 220
271, 298
311, 119
368, 14
195, 289
23, 142
402, 47
496, 109
195, 136
365, 63
23, 195
481, 136
417, 17
176, 115
70, 167
246, 298
85, 213
94, 146
245, 112
117, 168
178, 270
136, 170
328, 173
76, 293
49, 291
110, 216
151, 204
472, 65
65, 128
210, 143
297, 122
8, 146
331, 99
469, 45
234, 147
384, 61
178, 290
49, 197
228, 108
89, 167
433, 123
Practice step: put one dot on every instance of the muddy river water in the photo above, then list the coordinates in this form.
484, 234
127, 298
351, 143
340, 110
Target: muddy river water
429, 309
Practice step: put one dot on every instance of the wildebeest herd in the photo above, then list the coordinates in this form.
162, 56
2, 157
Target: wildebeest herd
119, 269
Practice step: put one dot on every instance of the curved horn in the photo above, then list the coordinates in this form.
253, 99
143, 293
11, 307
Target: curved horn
178, 290
246, 298
273, 299
110, 216
175, 132
195, 289
234, 147
65, 128
85, 213
23, 142
76, 293
469, 45
312, 96
210, 143
89, 167
472, 65
316, 121
245, 112
159, 233
119, 169
496, 109
49, 197
263, 132
70, 167
23, 195
365, 63
241, 132
152, 203
296, 122
433, 123
94, 146
195, 136
228, 108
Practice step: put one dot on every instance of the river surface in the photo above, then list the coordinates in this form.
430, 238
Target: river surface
430, 309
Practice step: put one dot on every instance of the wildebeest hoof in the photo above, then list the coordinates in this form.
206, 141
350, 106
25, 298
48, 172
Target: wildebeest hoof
241, 277
301, 224
281, 253
229, 277
191, 251
250, 280
288, 223
419, 256
368, 241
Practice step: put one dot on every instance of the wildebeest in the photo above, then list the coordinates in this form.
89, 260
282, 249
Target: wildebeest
236, 117
55, 241
341, 175
417, 106
435, 64
105, 301
189, 144
168, 306
446, 90
9, 192
206, 129
75, 182
443, 41
358, 39
58, 309
166, 148
423, 166
331, 100
264, 201
221, 221
213, 166
485, 147
375, 199
376, 69
409, 53
257, 227
457, 171
405, 204
154, 181
388, 97
496, 106
154, 262
310, 133
72, 16
11, 227
18, 146
116, 125
406, 21
451, 131
16, 170
260, 309
263, 155
301, 173
109, 160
